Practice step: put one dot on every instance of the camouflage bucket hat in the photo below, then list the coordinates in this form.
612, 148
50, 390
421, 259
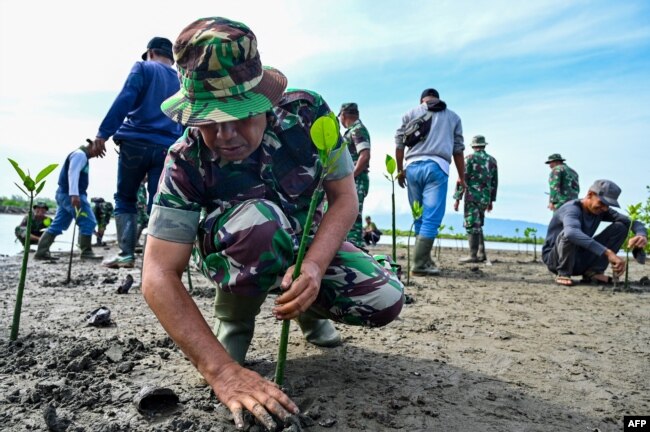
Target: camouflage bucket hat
221, 75
554, 157
479, 141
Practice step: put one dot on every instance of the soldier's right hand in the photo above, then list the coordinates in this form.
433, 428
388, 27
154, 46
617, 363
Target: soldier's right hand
240, 388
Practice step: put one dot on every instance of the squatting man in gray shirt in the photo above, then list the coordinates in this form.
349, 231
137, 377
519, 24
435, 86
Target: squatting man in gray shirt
570, 249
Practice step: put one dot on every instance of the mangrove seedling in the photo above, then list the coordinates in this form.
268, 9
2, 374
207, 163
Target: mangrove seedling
439, 240
391, 168
634, 212
325, 136
32, 187
416, 211
528, 233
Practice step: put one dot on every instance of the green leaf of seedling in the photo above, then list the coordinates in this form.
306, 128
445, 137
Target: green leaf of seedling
336, 122
20, 172
391, 164
29, 183
45, 171
388, 178
40, 188
417, 210
324, 133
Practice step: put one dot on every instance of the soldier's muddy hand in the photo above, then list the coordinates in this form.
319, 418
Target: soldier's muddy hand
240, 388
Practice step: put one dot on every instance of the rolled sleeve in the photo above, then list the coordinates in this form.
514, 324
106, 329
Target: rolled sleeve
342, 167
175, 225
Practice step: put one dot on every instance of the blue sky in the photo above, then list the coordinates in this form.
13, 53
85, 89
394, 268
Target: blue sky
534, 77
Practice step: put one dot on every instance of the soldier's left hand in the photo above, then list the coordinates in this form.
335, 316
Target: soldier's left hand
298, 295
637, 242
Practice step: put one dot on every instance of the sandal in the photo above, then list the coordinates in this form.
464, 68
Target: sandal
564, 280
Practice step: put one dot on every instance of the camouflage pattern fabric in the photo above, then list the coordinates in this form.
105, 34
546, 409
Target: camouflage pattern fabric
103, 212
356, 138
355, 236
285, 174
355, 289
564, 185
221, 74
141, 205
482, 179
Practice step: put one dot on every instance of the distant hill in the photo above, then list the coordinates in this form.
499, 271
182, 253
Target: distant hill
501, 227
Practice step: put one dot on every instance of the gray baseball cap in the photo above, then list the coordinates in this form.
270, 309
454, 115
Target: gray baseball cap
607, 191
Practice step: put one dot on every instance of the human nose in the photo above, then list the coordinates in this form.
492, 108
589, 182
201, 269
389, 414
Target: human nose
226, 130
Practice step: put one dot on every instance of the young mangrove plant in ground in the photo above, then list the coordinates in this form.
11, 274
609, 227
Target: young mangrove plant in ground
325, 135
32, 187
391, 168
531, 235
77, 214
416, 211
634, 212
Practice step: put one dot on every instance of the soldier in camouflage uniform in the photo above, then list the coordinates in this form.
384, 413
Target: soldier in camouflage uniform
103, 211
143, 216
481, 179
247, 163
563, 182
357, 139
40, 221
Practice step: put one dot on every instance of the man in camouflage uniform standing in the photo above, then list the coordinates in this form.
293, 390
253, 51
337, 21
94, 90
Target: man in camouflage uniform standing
103, 211
357, 139
563, 182
240, 182
481, 178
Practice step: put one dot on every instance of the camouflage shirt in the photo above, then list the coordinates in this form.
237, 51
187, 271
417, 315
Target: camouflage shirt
481, 177
563, 182
356, 139
284, 169
141, 204
103, 212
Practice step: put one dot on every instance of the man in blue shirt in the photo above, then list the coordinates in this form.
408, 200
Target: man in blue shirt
570, 249
72, 204
144, 134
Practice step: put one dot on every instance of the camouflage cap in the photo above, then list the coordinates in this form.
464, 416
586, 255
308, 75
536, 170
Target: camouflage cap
41, 204
607, 191
554, 157
350, 108
221, 75
479, 141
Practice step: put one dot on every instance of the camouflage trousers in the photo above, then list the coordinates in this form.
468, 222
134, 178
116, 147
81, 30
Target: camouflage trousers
474, 217
247, 249
355, 236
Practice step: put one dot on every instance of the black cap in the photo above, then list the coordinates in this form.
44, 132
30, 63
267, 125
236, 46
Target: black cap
607, 191
41, 204
430, 92
162, 44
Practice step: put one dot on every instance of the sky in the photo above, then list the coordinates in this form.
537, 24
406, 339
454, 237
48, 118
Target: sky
535, 78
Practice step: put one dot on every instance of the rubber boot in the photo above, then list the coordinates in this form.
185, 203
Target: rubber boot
234, 322
317, 330
126, 226
85, 244
43, 249
481, 255
473, 240
423, 265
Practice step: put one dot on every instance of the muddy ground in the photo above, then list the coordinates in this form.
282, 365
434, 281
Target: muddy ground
483, 348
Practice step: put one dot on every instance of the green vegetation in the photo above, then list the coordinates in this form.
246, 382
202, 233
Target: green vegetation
32, 187
463, 236
23, 203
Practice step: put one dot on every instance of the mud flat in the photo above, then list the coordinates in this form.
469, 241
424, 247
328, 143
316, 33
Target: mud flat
483, 348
